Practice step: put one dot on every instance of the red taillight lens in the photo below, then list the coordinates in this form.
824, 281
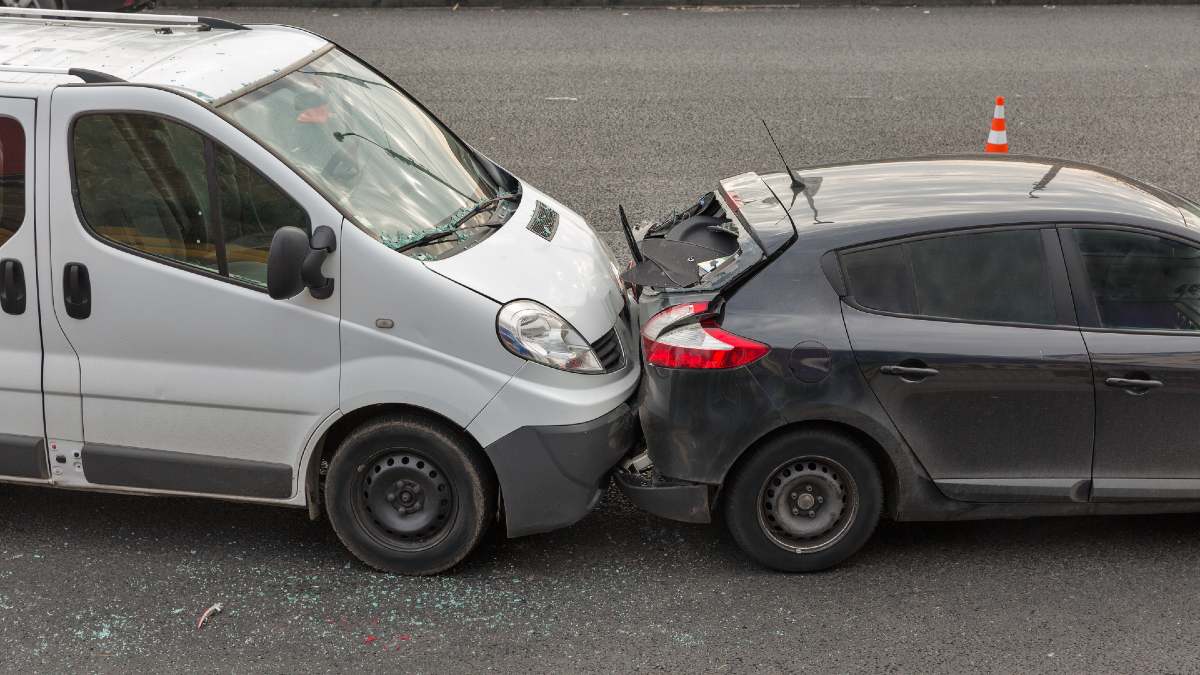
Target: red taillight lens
699, 344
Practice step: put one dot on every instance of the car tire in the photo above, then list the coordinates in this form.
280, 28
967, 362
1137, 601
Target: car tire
407, 495
803, 501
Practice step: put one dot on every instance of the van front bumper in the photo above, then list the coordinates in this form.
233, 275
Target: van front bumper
551, 476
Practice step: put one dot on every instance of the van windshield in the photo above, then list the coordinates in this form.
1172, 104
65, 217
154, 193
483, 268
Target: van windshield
399, 173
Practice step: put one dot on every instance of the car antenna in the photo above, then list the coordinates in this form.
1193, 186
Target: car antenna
797, 184
629, 240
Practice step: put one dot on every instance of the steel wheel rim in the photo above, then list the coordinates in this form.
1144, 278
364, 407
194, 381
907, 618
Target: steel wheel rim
404, 500
807, 504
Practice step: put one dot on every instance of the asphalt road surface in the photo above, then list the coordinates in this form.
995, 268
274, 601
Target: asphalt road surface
651, 108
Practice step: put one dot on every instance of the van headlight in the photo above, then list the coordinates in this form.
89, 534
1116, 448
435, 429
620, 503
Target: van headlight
534, 332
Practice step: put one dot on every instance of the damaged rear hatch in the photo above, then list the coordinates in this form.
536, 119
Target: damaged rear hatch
715, 244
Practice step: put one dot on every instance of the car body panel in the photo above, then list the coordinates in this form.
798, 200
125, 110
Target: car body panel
206, 64
572, 273
221, 391
812, 373
1003, 395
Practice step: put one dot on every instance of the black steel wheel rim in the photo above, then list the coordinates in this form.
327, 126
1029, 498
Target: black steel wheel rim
807, 504
404, 500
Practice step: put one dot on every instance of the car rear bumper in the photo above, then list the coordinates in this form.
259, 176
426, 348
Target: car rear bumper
551, 476
698, 422
666, 498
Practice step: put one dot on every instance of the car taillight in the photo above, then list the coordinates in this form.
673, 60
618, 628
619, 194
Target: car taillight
696, 344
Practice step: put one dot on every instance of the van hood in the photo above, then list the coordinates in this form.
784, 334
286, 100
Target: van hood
547, 253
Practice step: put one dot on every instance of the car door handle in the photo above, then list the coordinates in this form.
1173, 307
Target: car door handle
1133, 386
77, 290
12, 286
908, 372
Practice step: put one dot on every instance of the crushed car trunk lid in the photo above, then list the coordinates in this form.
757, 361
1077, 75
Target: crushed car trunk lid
724, 237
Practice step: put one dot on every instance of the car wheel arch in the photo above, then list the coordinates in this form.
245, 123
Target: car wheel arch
882, 458
327, 446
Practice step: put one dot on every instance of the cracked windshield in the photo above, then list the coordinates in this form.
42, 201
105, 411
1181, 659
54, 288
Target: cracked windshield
398, 173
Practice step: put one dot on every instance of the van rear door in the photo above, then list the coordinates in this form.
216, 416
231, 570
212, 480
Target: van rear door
22, 446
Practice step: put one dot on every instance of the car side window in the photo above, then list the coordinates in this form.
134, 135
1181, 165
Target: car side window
12, 177
996, 276
143, 183
1141, 281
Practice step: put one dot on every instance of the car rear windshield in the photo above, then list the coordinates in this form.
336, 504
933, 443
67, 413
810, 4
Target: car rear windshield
379, 156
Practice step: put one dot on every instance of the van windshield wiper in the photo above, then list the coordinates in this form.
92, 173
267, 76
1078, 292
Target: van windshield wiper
340, 136
343, 76
455, 221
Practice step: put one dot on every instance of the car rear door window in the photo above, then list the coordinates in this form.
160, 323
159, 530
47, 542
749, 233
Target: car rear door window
996, 276
1140, 281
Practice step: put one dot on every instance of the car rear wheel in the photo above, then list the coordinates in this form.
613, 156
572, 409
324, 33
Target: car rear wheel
406, 495
804, 501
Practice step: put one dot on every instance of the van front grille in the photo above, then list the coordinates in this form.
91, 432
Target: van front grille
608, 350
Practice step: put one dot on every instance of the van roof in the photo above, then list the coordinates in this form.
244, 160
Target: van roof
207, 58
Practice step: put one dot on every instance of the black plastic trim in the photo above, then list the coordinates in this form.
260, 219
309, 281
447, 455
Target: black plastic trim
551, 476
1146, 489
23, 456
671, 499
1060, 284
220, 24
12, 286
185, 472
1015, 489
93, 76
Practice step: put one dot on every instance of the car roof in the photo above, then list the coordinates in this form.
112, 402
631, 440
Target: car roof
913, 195
209, 59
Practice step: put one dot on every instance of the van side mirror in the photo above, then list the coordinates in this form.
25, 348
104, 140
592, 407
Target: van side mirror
294, 263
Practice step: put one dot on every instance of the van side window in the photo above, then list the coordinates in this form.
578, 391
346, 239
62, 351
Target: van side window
12, 177
142, 183
982, 276
1142, 281
252, 209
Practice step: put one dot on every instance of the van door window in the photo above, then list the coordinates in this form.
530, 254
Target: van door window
12, 177
252, 209
143, 184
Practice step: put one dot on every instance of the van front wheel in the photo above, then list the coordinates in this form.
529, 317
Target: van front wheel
408, 496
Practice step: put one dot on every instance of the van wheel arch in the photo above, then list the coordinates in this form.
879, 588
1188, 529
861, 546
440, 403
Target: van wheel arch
883, 461
332, 439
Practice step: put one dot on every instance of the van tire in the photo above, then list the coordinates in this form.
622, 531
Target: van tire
804, 501
409, 496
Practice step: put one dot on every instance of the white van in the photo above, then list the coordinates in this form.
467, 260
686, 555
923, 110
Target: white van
238, 262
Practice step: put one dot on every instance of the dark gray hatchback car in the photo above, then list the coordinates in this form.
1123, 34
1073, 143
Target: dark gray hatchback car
926, 339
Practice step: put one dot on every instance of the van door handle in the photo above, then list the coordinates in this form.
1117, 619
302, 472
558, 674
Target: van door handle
911, 373
77, 290
12, 286
1133, 386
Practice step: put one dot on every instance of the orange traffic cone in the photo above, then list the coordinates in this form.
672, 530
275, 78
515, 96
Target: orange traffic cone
998, 138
